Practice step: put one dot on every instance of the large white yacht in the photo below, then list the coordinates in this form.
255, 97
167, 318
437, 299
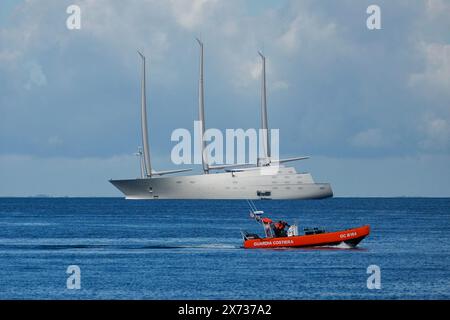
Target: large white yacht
267, 179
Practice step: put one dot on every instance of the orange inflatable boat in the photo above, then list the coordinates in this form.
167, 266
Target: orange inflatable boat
276, 235
351, 237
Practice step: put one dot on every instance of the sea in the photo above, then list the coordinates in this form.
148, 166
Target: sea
111, 248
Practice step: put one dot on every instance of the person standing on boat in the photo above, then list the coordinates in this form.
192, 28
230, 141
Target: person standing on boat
268, 227
279, 228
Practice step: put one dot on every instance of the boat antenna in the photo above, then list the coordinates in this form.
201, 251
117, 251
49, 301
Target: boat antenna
252, 205
264, 122
147, 165
201, 108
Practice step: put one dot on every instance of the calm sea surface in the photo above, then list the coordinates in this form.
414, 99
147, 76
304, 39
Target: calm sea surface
192, 249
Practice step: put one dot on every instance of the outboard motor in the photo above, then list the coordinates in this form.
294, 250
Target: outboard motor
249, 236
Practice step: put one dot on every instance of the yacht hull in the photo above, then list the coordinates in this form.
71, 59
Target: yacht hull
286, 184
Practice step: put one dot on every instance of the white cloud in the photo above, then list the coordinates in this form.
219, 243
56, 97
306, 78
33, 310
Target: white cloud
55, 141
248, 72
437, 7
436, 74
7, 57
30, 31
37, 77
370, 138
191, 13
437, 133
304, 30
248, 75
136, 25
300, 33
230, 28
280, 85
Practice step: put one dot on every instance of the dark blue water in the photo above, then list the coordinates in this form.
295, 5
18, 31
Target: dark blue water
191, 250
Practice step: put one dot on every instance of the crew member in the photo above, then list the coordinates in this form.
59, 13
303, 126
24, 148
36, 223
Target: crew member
279, 229
267, 223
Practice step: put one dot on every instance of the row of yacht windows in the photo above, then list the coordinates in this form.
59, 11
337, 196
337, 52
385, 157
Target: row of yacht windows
273, 177
236, 182
274, 188
235, 188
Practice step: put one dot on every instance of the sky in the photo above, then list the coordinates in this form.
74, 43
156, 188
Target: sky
370, 107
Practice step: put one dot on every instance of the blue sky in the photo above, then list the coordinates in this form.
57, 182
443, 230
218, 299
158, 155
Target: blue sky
371, 108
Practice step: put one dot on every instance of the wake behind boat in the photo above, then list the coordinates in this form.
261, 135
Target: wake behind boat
276, 235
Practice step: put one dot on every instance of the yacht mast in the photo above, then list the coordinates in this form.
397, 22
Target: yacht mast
201, 109
264, 125
147, 165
